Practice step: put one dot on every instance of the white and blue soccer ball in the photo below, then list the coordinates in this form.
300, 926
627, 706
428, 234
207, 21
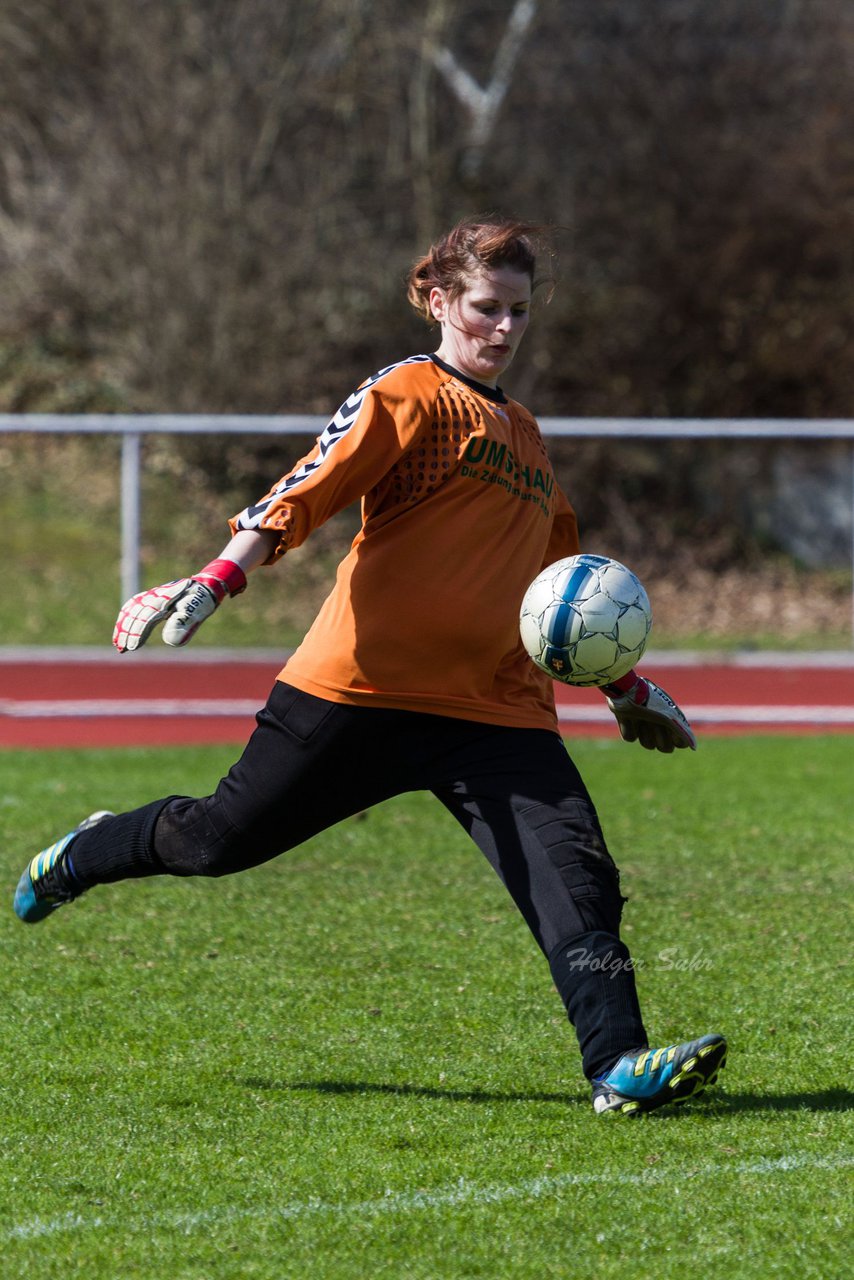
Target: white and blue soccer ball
585, 620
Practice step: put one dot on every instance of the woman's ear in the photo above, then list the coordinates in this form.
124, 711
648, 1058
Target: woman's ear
438, 303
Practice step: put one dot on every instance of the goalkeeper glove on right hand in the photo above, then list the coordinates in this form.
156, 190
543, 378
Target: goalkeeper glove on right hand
186, 603
646, 714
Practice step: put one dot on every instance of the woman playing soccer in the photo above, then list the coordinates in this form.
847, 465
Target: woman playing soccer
395, 690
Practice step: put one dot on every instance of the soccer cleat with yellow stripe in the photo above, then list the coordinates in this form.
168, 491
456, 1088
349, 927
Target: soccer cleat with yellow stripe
649, 1078
48, 883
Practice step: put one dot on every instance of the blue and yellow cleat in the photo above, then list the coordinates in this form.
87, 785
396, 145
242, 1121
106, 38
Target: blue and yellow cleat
649, 1078
47, 882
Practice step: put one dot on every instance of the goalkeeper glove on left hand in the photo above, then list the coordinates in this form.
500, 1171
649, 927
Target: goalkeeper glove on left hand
646, 714
187, 603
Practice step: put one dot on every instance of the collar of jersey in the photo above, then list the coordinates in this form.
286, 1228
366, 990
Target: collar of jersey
491, 393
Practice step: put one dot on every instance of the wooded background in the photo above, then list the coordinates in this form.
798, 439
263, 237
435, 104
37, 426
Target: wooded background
211, 205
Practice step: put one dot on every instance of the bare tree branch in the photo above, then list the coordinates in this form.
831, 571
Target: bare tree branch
421, 116
483, 104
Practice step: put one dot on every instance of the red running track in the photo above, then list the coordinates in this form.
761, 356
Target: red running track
74, 698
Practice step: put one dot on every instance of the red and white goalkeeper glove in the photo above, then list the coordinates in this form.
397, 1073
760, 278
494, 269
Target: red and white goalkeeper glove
648, 715
186, 603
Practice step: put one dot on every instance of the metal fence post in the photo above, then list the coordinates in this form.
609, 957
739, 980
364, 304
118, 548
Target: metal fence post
130, 513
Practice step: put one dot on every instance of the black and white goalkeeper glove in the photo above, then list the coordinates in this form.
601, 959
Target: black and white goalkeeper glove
648, 715
185, 604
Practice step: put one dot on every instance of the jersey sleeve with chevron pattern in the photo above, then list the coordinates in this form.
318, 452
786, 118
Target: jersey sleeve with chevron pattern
354, 452
460, 511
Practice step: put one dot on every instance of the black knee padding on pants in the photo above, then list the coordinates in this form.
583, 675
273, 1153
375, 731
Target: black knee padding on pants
572, 837
193, 838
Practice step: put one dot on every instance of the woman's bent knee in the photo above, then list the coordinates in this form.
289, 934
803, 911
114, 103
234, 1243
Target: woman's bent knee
193, 838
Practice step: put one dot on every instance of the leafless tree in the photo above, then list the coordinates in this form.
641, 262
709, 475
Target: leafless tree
483, 102
214, 203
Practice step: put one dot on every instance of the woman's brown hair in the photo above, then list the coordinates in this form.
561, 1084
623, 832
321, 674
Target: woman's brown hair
470, 247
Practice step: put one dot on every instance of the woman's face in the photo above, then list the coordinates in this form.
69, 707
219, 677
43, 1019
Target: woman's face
482, 328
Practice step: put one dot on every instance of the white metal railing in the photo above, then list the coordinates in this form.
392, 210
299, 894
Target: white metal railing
131, 428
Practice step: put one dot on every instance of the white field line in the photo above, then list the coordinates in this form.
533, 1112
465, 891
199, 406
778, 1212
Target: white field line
191, 708
727, 714
86, 708
405, 1202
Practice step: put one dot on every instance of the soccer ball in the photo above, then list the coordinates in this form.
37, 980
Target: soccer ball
585, 620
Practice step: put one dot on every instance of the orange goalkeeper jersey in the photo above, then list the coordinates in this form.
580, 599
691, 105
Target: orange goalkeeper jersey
460, 511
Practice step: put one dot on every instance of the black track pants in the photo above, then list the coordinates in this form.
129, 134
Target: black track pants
310, 763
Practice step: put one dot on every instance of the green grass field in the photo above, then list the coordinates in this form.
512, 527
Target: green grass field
351, 1062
